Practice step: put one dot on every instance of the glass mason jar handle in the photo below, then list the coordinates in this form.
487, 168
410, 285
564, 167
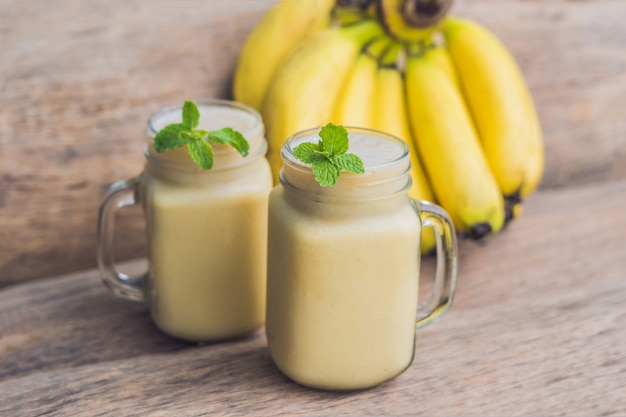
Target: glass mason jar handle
120, 194
445, 278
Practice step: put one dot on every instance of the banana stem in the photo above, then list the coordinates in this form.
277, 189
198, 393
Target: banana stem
390, 56
415, 49
425, 13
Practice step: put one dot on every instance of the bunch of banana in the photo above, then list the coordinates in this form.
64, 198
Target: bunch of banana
445, 85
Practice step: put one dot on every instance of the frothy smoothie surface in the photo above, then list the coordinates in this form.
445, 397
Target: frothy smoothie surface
374, 150
211, 118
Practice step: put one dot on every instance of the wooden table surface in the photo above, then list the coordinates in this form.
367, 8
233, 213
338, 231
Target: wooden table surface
538, 326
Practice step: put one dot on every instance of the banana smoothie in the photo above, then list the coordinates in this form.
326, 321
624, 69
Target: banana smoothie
206, 221
207, 232
343, 267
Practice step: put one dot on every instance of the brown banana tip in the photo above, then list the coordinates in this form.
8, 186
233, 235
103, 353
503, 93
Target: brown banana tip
510, 202
514, 198
508, 213
479, 230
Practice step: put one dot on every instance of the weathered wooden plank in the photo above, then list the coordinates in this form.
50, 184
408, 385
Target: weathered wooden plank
537, 328
75, 97
75, 94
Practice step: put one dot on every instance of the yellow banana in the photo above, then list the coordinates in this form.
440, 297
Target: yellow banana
450, 148
439, 55
390, 115
308, 82
502, 108
271, 40
354, 104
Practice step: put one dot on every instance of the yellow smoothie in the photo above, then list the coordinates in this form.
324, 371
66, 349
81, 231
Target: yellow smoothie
207, 233
343, 265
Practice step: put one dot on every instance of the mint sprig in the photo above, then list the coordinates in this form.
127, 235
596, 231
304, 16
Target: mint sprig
176, 135
328, 157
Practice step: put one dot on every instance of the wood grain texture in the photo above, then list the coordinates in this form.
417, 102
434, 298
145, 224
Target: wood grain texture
79, 79
537, 328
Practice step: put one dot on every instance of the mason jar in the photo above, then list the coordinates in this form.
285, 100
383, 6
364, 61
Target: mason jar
343, 267
206, 230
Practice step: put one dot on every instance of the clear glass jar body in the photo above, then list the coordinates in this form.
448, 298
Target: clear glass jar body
207, 231
207, 235
343, 267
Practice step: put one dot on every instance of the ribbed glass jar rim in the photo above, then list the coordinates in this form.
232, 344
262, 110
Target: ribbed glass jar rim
386, 173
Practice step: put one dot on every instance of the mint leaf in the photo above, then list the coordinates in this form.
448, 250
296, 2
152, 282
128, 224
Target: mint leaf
201, 153
321, 151
334, 139
348, 162
231, 137
328, 157
308, 152
199, 134
191, 115
186, 135
169, 138
326, 173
